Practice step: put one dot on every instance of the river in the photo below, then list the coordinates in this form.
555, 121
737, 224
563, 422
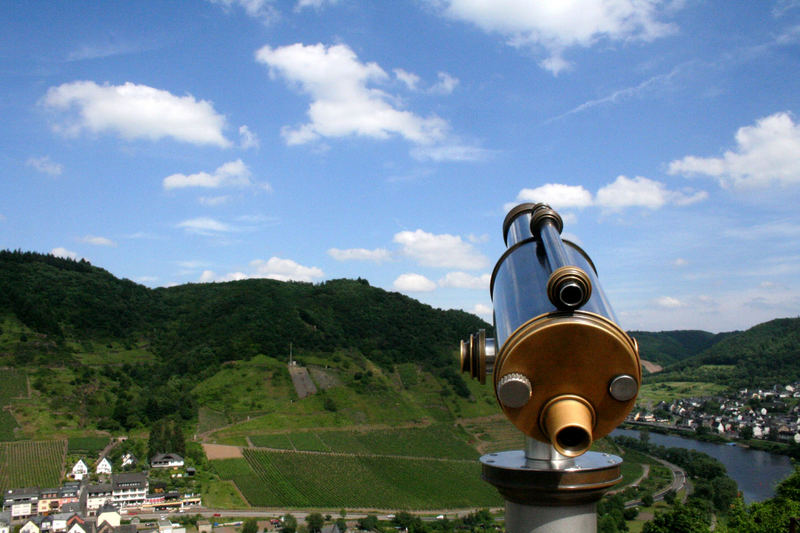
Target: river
755, 472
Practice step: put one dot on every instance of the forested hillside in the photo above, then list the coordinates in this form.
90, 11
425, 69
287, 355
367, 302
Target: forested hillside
764, 355
668, 347
138, 353
108, 353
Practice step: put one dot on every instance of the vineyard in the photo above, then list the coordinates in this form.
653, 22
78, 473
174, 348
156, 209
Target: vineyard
31, 463
281, 479
434, 441
13, 384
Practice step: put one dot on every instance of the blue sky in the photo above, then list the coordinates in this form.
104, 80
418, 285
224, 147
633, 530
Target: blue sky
203, 141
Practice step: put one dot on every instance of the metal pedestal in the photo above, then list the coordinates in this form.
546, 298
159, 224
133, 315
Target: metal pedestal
546, 492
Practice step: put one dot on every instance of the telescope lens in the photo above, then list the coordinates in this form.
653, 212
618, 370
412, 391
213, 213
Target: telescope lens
573, 439
571, 294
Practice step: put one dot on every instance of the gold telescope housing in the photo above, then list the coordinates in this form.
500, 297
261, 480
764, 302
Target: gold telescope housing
571, 360
564, 372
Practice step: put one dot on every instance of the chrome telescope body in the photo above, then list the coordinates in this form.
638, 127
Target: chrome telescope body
563, 371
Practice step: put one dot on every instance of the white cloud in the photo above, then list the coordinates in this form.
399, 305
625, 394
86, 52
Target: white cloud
284, 270
621, 193
446, 84
450, 152
247, 139
45, 165
557, 25
462, 280
680, 262
766, 153
668, 302
444, 251
484, 311
231, 174
136, 112
274, 268
413, 283
94, 240
379, 255
409, 79
205, 226
315, 4
64, 253
258, 9
214, 201
341, 102
557, 195
636, 192
209, 276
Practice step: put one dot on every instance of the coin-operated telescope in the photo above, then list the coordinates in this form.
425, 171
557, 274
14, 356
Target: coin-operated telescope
564, 373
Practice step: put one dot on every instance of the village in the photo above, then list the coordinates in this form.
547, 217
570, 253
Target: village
96, 504
768, 414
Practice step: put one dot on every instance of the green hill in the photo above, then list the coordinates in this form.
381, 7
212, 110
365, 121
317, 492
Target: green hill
764, 355
110, 354
668, 347
102, 353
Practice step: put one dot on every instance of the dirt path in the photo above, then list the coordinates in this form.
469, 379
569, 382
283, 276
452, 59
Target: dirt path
652, 367
221, 451
302, 381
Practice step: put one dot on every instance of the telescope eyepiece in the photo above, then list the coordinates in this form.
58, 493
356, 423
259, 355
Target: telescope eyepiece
573, 439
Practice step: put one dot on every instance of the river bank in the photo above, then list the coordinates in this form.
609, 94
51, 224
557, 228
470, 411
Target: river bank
755, 472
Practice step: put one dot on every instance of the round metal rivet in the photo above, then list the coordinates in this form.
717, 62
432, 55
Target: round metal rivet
623, 388
514, 390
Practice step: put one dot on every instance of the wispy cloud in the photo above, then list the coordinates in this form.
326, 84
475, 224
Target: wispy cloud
205, 226
647, 86
45, 165
231, 174
378, 255
96, 240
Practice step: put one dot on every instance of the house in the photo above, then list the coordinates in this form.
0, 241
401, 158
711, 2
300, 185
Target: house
166, 460
203, 526
77, 524
60, 522
97, 496
128, 459
103, 467
5, 523
69, 493
79, 470
108, 514
31, 526
49, 501
129, 490
21, 503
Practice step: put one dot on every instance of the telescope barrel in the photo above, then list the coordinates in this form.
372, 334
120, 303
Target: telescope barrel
564, 372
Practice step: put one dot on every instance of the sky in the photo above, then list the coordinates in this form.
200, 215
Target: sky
216, 140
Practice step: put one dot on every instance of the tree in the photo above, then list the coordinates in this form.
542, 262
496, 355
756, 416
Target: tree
368, 523
647, 499
341, 524
289, 524
644, 437
250, 526
315, 522
789, 488
725, 491
679, 519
